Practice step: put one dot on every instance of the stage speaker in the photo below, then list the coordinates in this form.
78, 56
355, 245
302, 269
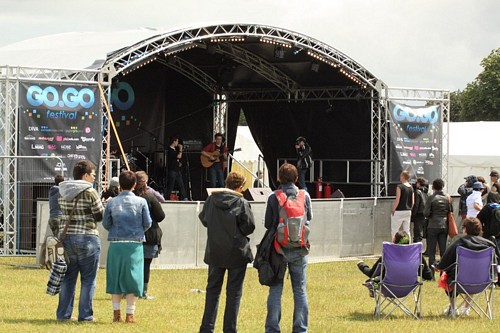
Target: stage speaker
337, 194
257, 193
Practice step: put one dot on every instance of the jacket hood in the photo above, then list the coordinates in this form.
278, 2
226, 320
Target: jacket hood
476, 242
225, 198
71, 188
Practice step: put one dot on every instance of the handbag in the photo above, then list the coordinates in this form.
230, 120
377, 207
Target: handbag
54, 248
59, 265
452, 226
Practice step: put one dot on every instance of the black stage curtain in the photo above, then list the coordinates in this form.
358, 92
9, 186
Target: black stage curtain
166, 103
339, 131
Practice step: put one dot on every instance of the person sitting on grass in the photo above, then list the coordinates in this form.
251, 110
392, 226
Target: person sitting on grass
373, 273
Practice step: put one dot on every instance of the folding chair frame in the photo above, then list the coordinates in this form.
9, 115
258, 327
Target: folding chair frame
385, 296
459, 289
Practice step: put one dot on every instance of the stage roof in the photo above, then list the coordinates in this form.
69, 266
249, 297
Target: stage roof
287, 85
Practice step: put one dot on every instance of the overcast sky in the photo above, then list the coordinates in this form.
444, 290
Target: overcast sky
405, 43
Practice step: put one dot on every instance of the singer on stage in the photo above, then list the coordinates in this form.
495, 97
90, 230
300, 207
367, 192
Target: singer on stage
174, 158
213, 157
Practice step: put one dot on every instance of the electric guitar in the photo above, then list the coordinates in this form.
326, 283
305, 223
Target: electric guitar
207, 161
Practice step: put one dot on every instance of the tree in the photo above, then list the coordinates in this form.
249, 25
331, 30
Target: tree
481, 98
455, 106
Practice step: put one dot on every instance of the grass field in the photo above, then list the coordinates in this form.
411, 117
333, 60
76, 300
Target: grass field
337, 301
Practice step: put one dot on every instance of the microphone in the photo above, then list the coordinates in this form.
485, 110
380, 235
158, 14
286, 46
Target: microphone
139, 126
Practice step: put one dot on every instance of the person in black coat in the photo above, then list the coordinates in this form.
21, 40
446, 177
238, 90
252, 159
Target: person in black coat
471, 240
229, 220
417, 211
152, 245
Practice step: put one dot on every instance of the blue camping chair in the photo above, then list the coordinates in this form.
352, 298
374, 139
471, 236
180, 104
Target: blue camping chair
401, 277
475, 275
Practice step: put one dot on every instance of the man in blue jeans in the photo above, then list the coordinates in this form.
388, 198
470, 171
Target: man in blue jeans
296, 260
81, 244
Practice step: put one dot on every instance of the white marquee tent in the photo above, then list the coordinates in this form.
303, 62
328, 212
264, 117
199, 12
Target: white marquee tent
474, 150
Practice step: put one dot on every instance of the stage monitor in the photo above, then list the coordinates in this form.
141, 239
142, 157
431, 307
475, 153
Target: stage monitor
257, 193
337, 194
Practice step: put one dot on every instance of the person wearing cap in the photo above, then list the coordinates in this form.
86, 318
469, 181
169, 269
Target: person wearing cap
494, 176
474, 200
465, 190
304, 160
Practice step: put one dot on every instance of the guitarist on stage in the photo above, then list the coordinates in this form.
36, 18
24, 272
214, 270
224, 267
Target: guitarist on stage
216, 154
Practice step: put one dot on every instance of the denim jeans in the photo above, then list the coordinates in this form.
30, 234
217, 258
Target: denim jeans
175, 177
302, 179
83, 252
297, 269
216, 175
234, 289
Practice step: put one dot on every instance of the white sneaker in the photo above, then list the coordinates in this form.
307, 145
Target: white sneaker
465, 310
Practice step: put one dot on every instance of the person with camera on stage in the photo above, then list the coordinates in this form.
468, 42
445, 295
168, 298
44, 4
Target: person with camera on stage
304, 160
216, 153
174, 165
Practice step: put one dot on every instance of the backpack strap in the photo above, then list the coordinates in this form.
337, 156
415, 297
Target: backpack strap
281, 196
301, 195
63, 234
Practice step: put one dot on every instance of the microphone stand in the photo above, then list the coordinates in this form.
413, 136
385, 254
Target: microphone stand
188, 173
162, 175
148, 160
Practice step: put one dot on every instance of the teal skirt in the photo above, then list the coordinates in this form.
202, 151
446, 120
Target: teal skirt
125, 269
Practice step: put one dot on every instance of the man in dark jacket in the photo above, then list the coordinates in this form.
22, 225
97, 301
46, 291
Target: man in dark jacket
417, 211
229, 220
304, 160
485, 216
471, 240
296, 259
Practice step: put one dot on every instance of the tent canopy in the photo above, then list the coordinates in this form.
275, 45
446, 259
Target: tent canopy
472, 151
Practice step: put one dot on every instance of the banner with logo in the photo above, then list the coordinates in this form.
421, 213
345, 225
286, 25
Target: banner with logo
57, 120
415, 141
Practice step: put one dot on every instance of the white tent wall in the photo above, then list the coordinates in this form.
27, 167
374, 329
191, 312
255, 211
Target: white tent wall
473, 150
248, 156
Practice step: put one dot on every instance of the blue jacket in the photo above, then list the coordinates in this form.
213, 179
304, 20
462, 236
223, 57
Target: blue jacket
54, 208
126, 217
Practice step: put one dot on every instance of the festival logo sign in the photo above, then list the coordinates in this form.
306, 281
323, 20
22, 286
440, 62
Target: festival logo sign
51, 117
415, 141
